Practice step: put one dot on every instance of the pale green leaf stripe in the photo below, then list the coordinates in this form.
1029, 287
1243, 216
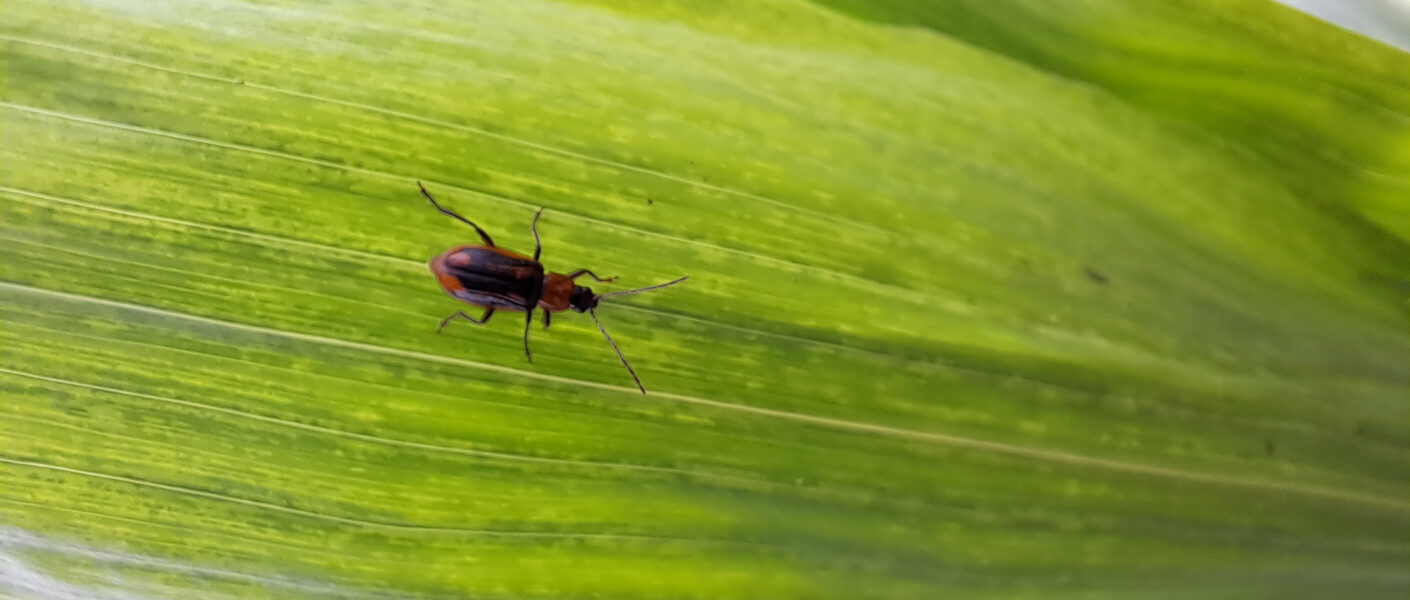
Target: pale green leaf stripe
419, 266
355, 435
438, 122
1397, 505
891, 289
401, 527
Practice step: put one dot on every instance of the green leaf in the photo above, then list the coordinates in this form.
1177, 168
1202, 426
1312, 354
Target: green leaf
1062, 299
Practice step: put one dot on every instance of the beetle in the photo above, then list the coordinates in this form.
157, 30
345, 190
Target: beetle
499, 279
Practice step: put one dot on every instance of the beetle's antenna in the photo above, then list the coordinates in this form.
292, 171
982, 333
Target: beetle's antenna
593, 312
640, 290
619, 350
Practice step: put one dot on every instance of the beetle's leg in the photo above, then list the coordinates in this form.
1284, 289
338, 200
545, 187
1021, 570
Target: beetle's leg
528, 320
547, 317
485, 237
580, 272
485, 318
538, 245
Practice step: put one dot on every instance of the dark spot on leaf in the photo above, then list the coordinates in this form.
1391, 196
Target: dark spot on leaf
1096, 275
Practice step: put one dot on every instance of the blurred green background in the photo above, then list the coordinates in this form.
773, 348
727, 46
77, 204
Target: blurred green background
1001, 300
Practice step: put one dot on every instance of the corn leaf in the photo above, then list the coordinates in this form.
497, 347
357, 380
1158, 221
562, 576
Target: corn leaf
1004, 299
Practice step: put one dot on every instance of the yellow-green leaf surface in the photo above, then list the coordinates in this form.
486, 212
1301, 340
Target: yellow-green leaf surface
986, 300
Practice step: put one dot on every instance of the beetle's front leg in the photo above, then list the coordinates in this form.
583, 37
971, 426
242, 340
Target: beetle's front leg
580, 272
547, 317
485, 318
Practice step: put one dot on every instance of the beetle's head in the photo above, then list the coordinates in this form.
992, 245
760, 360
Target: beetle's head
583, 299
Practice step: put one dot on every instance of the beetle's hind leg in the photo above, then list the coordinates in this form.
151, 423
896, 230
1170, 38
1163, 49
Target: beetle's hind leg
528, 321
538, 244
484, 237
485, 318
580, 272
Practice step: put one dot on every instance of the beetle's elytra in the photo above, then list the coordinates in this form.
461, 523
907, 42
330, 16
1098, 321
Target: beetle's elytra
498, 279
